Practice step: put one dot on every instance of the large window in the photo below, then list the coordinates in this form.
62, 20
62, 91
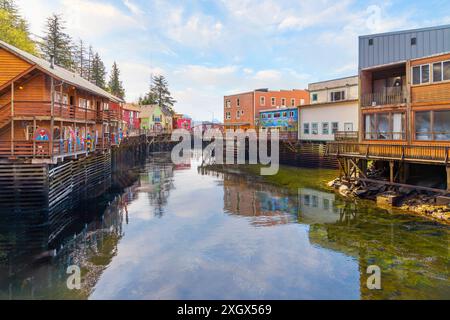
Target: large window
441, 71
432, 125
384, 126
421, 74
337, 96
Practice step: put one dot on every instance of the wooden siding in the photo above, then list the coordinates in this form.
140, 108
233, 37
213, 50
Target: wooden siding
431, 93
10, 66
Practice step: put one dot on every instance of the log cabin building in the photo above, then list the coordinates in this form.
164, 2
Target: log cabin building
404, 107
48, 113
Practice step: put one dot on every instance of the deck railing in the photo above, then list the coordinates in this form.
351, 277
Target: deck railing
385, 97
346, 136
433, 154
44, 109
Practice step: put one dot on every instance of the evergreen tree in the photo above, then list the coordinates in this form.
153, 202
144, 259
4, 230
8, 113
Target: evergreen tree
57, 43
98, 72
159, 94
13, 28
81, 60
115, 86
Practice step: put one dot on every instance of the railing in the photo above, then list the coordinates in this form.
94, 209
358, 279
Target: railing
346, 136
434, 154
42, 149
386, 97
44, 109
385, 135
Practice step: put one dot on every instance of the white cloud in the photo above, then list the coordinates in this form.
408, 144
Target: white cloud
133, 7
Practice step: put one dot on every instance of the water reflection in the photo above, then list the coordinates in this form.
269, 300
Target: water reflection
175, 233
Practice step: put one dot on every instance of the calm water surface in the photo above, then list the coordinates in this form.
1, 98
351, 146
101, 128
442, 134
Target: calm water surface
179, 233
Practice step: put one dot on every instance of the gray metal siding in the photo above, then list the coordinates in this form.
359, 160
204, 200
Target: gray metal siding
396, 46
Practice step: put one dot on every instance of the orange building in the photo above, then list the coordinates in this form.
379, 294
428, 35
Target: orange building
48, 113
241, 111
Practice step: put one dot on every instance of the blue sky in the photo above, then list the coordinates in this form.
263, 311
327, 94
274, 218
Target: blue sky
210, 48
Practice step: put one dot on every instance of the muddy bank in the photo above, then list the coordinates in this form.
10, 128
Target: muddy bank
428, 204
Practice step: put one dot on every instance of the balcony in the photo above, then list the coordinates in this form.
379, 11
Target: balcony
387, 96
44, 109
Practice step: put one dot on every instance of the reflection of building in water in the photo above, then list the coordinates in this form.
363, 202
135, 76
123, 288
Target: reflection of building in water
157, 182
259, 202
318, 207
34, 262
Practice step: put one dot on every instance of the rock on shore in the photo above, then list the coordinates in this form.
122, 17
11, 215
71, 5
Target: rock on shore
419, 202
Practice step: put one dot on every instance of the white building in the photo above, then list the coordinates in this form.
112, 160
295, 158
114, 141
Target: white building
333, 108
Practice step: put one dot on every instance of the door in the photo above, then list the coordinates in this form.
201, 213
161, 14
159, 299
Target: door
348, 126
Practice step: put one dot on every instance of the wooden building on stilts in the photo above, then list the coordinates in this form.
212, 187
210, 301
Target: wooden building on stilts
55, 132
404, 108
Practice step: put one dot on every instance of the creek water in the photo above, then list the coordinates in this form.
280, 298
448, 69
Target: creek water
177, 232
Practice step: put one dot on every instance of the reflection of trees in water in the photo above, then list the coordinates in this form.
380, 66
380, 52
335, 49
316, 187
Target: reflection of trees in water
156, 182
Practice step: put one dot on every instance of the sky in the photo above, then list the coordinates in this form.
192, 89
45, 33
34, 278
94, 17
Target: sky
210, 48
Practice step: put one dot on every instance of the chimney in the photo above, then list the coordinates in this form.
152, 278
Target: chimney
52, 62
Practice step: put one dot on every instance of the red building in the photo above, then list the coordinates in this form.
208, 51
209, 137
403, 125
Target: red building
241, 111
181, 121
130, 118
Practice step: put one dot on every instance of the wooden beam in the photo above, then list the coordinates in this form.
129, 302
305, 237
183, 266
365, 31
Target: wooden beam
391, 171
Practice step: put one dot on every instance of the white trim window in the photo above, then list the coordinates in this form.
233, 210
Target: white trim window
315, 128
325, 128
292, 102
334, 127
273, 101
421, 74
306, 128
238, 114
228, 104
283, 102
441, 71
228, 115
262, 101
337, 96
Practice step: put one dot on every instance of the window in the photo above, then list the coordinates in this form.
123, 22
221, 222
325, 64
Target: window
228, 104
314, 97
263, 116
421, 74
228, 115
291, 114
30, 132
432, 125
276, 115
441, 71
269, 116
262, 101
334, 127
337, 96
284, 114
413, 41
292, 102
238, 102
283, 101
315, 128
370, 42
302, 102
325, 128
82, 103
238, 114
306, 128
273, 101
384, 126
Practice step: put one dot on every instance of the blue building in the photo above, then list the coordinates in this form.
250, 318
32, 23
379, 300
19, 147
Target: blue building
284, 119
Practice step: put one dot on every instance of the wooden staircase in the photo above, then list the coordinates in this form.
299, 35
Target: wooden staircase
5, 115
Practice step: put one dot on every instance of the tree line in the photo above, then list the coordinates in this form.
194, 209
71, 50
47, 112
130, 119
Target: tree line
58, 45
